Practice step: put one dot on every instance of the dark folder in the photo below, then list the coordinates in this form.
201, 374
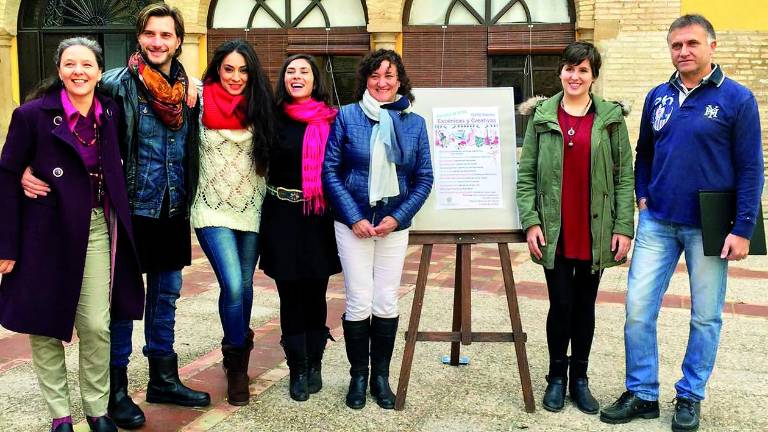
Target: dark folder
718, 211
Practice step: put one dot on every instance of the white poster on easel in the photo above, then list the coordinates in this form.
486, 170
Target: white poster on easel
474, 190
467, 156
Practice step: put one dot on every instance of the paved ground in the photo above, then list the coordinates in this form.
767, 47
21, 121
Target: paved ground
482, 396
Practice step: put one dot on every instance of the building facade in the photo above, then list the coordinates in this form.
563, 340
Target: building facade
445, 43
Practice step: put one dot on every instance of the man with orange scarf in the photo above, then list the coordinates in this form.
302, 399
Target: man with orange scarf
161, 163
160, 157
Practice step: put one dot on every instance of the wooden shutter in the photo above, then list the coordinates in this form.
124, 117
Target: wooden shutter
274, 45
456, 57
519, 39
337, 41
269, 44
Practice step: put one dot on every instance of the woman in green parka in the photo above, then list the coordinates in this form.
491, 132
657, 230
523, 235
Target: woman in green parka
576, 201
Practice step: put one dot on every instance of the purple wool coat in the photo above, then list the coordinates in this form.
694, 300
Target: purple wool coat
48, 236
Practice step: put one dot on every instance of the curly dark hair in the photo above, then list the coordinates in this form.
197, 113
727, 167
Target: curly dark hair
371, 62
320, 90
259, 112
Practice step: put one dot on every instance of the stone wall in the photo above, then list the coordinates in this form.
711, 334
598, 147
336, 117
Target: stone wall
631, 35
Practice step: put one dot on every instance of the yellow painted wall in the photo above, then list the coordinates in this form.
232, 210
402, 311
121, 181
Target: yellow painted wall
15, 72
203, 53
730, 14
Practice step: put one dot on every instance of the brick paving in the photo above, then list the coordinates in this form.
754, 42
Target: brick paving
267, 365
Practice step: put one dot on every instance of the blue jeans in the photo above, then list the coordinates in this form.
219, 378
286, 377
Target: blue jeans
658, 246
233, 255
163, 289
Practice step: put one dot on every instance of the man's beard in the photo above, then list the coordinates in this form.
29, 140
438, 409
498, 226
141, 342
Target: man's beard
157, 65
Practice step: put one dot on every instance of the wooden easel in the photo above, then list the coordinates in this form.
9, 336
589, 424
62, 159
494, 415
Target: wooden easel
462, 306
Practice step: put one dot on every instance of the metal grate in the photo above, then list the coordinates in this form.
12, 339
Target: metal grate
91, 13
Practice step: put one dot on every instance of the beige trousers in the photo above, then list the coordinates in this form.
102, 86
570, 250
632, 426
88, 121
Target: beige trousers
92, 325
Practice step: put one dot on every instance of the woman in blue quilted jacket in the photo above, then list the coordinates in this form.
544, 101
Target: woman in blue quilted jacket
377, 174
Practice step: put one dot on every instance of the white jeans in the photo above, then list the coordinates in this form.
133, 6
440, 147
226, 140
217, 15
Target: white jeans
372, 269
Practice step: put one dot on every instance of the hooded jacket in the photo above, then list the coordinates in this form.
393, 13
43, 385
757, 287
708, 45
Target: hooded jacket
539, 179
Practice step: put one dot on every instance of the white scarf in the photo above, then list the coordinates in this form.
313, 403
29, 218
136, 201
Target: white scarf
382, 173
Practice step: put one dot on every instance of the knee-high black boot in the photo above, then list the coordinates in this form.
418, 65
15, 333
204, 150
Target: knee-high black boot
383, 332
316, 340
295, 347
356, 338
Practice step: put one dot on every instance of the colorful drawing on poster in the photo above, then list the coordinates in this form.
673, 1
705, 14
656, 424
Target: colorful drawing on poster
467, 158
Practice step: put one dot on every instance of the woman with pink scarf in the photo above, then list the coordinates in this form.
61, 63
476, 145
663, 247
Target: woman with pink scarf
298, 245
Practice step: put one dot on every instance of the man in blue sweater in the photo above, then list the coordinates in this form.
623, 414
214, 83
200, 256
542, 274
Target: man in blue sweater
699, 131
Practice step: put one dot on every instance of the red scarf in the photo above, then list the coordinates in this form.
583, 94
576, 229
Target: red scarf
318, 116
222, 110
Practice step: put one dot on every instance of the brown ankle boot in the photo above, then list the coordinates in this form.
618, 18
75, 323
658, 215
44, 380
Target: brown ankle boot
236, 369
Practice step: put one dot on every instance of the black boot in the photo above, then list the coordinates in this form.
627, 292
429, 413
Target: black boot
125, 413
101, 424
236, 368
557, 383
578, 386
165, 387
295, 347
316, 340
383, 332
356, 338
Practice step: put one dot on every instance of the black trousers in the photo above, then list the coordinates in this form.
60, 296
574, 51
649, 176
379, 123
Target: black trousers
302, 305
571, 319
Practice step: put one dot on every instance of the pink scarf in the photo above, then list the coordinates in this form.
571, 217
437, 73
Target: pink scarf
318, 116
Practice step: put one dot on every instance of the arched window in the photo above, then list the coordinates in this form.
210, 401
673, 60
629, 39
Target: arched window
288, 14
494, 43
332, 30
44, 23
482, 12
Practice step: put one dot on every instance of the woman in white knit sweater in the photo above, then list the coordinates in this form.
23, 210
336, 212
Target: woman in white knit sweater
236, 131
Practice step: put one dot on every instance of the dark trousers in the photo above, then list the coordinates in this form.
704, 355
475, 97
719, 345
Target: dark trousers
571, 319
302, 305
163, 289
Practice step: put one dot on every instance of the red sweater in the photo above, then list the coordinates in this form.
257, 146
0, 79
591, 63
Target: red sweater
575, 235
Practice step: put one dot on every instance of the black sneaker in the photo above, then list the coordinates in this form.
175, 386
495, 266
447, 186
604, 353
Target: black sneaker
687, 415
629, 407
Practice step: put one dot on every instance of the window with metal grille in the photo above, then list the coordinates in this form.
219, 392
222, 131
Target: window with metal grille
44, 23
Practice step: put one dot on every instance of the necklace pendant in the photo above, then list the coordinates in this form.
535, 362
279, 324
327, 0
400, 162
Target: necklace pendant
570, 144
571, 132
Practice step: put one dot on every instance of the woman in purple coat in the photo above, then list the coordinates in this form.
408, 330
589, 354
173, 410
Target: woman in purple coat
68, 258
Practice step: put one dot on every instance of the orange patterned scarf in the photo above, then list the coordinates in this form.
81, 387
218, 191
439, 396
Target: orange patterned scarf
167, 101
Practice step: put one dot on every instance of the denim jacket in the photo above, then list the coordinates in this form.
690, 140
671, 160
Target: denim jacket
159, 166
347, 160
165, 160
